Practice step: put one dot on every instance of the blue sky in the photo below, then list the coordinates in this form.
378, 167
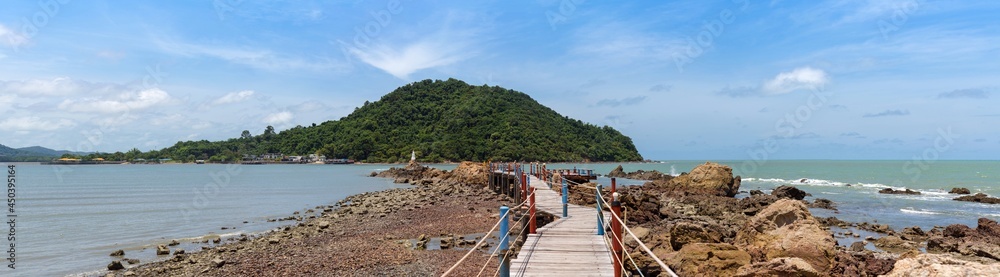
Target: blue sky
685, 79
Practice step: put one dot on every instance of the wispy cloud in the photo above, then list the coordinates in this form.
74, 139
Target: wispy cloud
233, 97
738, 91
263, 59
798, 79
401, 60
628, 101
34, 123
59, 86
12, 38
965, 93
278, 118
888, 113
126, 102
660, 88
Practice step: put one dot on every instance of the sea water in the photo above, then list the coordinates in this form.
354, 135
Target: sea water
854, 186
71, 217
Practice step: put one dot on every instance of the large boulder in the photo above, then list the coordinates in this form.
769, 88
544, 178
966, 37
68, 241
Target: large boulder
787, 229
470, 173
618, 172
708, 259
684, 233
780, 267
984, 241
941, 265
789, 192
709, 178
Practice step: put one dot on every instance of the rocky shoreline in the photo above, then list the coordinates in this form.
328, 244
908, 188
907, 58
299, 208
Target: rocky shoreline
693, 223
370, 234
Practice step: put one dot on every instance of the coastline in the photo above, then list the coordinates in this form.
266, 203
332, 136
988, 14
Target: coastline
681, 224
363, 235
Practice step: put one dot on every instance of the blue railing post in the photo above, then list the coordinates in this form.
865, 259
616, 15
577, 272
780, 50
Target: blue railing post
565, 193
504, 229
600, 213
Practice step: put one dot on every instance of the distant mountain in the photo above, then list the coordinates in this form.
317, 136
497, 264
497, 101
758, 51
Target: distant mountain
47, 152
8, 154
440, 120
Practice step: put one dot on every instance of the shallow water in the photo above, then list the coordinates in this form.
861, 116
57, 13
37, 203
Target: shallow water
71, 217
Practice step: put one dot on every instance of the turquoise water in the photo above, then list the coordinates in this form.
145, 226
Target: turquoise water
861, 201
71, 217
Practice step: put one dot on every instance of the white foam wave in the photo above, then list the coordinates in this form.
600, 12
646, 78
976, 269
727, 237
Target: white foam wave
813, 182
913, 211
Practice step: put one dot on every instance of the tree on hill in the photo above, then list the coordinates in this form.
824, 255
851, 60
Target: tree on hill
444, 120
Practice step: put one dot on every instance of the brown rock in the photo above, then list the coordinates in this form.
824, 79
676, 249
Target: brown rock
709, 178
891, 191
941, 265
618, 172
118, 253
787, 229
685, 232
708, 259
162, 249
959, 191
789, 192
116, 265
822, 203
980, 198
780, 267
894, 244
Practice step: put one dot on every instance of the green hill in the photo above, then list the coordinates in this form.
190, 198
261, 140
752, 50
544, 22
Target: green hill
441, 120
8, 154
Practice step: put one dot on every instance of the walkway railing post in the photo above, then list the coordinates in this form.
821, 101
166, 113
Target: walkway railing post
614, 186
616, 233
600, 212
524, 187
565, 200
531, 210
504, 229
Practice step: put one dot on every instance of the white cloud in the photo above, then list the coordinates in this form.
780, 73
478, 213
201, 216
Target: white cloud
278, 118
126, 102
233, 97
11, 38
38, 87
34, 123
256, 58
798, 79
403, 60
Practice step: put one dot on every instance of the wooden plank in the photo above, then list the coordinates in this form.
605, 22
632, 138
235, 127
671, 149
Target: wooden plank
567, 247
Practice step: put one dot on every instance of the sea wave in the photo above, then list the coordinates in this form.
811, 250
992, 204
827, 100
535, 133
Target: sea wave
914, 211
813, 182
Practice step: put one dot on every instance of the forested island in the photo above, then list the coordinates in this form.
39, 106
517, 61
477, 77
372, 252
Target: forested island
441, 120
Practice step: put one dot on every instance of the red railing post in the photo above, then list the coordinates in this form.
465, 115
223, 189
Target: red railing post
616, 231
531, 211
614, 187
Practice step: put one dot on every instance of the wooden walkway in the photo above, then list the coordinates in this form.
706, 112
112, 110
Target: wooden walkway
567, 247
